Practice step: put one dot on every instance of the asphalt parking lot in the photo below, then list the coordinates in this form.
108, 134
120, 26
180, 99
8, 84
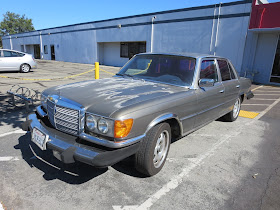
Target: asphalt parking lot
221, 166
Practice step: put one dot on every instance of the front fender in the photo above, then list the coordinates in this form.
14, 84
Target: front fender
163, 118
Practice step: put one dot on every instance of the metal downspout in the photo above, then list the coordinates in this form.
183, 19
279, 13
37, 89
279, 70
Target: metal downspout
41, 43
217, 33
212, 35
11, 43
152, 33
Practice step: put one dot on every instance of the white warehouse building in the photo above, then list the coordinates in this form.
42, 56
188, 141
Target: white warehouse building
219, 29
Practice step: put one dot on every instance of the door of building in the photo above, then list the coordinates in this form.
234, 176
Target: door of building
37, 51
52, 52
275, 73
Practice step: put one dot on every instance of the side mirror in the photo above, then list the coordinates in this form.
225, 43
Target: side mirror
206, 83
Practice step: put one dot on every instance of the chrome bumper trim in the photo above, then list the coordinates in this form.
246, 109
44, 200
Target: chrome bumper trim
110, 144
58, 142
103, 142
40, 111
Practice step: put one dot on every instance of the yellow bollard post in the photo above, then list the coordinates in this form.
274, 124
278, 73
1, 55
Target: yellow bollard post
96, 70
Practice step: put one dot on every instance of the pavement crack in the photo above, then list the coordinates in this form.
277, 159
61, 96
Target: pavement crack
267, 187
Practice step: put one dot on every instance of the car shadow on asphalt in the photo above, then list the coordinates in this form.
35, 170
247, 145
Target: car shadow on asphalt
76, 173
127, 167
12, 115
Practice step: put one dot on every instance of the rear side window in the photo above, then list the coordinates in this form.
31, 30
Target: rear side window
20, 54
224, 69
208, 70
231, 72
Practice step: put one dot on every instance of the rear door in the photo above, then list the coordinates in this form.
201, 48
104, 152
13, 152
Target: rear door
209, 99
230, 82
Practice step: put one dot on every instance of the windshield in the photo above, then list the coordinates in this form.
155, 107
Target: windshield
174, 70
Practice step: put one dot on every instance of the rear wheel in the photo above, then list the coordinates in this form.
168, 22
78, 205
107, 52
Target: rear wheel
233, 115
24, 68
153, 151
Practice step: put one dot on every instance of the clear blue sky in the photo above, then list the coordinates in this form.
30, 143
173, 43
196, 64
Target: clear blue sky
52, 13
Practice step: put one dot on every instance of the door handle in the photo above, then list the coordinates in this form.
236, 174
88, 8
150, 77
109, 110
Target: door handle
237, 86
221, 91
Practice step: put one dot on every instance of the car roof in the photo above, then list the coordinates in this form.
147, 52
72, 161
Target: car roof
185, 54
14, 51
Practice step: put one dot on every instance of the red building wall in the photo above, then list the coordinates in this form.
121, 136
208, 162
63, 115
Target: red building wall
265, 15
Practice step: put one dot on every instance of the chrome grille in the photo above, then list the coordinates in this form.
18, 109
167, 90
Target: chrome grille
63, 118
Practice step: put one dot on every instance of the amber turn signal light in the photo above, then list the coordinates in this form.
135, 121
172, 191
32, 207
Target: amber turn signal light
122, 128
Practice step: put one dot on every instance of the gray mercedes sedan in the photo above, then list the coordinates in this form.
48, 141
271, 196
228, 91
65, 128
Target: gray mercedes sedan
154, 98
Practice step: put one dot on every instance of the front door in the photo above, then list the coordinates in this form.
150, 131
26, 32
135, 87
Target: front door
37, 51
209, 99
52, 52
275, 74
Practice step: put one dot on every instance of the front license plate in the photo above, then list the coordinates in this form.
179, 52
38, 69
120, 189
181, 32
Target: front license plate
39, 138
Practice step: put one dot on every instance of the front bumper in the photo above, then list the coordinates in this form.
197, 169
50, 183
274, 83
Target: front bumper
69, 149
33, 65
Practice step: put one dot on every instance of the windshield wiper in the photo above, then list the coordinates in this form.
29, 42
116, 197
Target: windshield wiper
123, 75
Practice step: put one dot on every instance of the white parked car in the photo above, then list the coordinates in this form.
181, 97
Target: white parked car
11, 60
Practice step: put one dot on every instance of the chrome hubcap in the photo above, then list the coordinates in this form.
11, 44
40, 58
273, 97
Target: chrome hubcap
25, 68
236, 108
161, 148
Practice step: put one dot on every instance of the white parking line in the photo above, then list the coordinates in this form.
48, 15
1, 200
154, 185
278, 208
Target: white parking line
1, 206
12, 132
268, 91
255, 104
178, 179
8, 158
266, 94
263, 99
267, 109
257, 88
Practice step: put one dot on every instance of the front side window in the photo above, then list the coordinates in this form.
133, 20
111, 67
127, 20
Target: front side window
232, 75
174, 70
208, 70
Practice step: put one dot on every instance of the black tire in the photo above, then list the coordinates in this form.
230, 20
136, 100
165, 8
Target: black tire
25, 68
233, 115
145, 158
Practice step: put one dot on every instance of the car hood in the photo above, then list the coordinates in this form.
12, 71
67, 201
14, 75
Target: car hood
105, 96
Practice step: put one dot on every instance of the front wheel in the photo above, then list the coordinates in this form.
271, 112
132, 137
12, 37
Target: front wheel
24, 68
233, 115
153, 151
